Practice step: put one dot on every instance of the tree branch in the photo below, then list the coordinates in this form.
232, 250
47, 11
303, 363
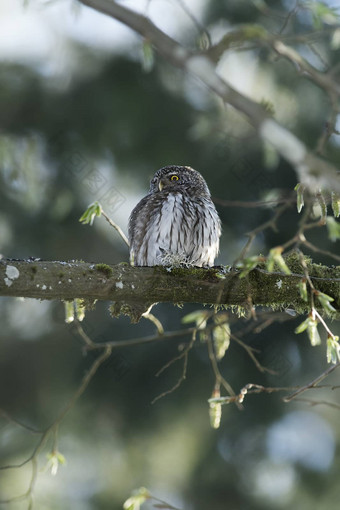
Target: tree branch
312, 171
138, 285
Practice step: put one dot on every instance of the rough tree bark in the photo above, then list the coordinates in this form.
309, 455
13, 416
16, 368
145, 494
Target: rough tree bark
140, 285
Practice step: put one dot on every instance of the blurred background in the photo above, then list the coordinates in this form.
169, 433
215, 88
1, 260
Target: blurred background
85, 115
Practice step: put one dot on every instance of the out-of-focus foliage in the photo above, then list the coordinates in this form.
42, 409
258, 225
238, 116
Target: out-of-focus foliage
101, 136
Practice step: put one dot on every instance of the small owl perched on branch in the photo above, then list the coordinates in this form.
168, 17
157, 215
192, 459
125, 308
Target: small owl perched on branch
176, 223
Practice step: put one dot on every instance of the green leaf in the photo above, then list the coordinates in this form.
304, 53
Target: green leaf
275, 257
198, 316
313, 334
203, 42
215, 414
333, 349
325, 301
148, 61
221, 335
55, 459
335, 204
302, 286
268, 106
322, 13
61, 458
80, 309
248, 264
299, 188
215, 409
302, 327
323, 206
137, 499
335, 39
322, 295
333, 228
69, 311
94, 209
311, 326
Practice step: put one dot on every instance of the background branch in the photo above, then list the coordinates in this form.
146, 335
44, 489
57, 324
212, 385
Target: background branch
313, 171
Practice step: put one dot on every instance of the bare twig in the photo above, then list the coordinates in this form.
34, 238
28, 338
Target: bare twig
312, 384
249, 389
323, 322
318, 402
117, 227
256, 204
290, 16
82, 334
316, 249
183, 355
201, 28
250, 352
152, 318
271, 223
167, 335
12, 420
330, 127
219, 377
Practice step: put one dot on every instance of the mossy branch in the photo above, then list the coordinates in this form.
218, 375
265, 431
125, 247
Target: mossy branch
138, 285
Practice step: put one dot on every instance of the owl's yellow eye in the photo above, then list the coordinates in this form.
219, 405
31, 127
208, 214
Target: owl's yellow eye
174, 178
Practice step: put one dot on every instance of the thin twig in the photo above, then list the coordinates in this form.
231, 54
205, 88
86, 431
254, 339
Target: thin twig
117, 227
312, 384
198, 25
167, 335
271, 223
256, 204
330, 127
290, 15
318, 402
321, 319
248, 389
194, 333
89, 343
314, 248
14, 421
184, 355
151, 317
251, 354
160, 503
85, 382
219, 377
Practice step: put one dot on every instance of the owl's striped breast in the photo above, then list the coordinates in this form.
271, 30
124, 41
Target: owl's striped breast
173, 228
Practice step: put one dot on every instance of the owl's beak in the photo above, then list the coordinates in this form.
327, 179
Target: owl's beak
160, 185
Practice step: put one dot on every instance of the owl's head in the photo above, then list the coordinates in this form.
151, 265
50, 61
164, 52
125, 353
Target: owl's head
179, 179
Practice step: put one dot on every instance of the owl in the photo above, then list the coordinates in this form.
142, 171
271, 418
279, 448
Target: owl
176, 223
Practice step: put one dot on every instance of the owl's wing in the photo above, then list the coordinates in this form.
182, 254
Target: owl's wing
205, 233
138, 225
